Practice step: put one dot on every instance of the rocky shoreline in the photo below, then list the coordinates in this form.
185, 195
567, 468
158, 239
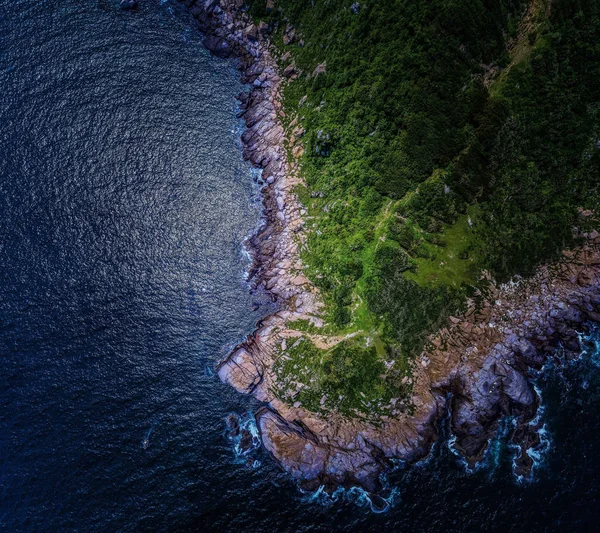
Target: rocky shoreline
477, 368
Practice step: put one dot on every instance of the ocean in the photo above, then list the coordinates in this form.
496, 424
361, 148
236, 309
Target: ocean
124, 204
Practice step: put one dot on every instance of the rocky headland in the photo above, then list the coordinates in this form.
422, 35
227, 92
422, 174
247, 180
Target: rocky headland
477, 368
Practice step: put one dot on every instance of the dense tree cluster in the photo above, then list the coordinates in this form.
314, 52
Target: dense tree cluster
444, 138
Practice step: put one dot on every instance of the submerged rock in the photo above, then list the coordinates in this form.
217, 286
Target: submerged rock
233, 425
128, 4
220, 47
246, 443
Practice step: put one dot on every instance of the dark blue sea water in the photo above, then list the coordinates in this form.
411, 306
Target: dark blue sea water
123, 205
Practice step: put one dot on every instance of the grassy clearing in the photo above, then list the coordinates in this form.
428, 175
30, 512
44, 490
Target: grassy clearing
450, 261
351, 379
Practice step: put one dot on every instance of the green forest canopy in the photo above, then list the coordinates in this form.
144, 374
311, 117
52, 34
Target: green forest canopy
444, 138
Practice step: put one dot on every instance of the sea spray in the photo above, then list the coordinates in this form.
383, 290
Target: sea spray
244, 437
554, 368
539, 452
381, 502
492, 456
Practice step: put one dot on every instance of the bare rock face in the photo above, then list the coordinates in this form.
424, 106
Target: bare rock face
289, 70
304, 458
289, 35
476, 368
219, 47
246, 376
314, 462
251, 32
263, 27
319, 69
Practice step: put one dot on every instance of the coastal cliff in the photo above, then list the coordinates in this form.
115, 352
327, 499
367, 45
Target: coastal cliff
476, 368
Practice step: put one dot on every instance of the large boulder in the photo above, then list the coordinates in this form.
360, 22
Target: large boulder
290, 70
219, 47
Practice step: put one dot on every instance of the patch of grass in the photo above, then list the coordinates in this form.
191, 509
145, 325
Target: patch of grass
351, 378
450, 259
